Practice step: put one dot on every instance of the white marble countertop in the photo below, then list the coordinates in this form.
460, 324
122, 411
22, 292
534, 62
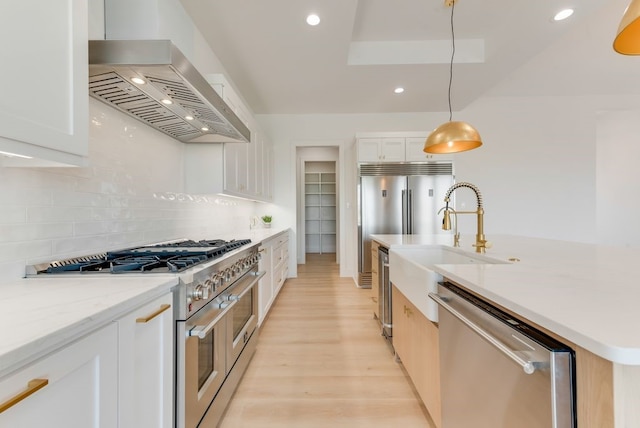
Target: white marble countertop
588, 294
40, 315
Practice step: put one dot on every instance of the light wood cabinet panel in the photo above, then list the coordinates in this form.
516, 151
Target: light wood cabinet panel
375, 279
594, 384
416, 342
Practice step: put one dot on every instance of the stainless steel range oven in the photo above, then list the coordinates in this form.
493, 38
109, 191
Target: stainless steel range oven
216, 313
215, 344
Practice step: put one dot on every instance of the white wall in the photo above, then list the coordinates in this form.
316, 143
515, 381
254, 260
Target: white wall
618, 178
536, 171
131, 194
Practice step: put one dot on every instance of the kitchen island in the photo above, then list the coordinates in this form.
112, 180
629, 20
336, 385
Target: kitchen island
585, 295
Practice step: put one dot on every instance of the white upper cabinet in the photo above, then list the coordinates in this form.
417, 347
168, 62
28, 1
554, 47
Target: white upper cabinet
381, 149
246, 167
384, 148
44, 103
413, 151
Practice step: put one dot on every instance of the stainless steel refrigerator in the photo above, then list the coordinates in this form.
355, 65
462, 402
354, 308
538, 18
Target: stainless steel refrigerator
398, 199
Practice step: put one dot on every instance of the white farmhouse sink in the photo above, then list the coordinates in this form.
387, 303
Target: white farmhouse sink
411, 271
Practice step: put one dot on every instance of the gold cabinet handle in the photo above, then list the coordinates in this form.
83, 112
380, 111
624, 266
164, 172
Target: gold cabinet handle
33, 386
153, 315
375, 299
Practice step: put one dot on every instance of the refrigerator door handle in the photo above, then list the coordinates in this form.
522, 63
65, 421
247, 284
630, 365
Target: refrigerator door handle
410, 212
404, 213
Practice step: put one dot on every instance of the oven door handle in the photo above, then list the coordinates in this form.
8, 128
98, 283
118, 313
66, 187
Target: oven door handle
258, 275
202, 331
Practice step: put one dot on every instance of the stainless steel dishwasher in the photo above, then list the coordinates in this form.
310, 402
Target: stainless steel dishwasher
498, 372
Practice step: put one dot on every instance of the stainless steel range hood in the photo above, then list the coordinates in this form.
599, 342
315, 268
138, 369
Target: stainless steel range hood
173, 97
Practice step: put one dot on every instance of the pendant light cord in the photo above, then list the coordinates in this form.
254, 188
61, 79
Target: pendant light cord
453, 52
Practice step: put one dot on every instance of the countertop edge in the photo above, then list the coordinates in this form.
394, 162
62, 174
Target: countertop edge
615, 354
596, 344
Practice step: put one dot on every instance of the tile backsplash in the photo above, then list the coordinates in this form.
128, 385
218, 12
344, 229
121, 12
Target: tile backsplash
132, 193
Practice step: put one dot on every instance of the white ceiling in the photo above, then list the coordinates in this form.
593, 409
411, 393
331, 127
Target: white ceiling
282, 65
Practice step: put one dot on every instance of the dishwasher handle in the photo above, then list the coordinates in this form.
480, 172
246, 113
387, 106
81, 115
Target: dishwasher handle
527, 366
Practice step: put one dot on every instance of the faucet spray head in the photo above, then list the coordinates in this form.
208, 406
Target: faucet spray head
446, 219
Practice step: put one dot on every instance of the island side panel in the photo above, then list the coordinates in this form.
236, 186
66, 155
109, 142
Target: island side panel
626, 382
594, 393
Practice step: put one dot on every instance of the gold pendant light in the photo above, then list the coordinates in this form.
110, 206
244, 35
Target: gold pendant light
452, 137
627, 42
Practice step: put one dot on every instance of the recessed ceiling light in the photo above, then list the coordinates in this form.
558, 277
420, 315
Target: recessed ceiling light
138, 80
167, 101
313, 19
205, 129
563, 14
189, 117
398, 90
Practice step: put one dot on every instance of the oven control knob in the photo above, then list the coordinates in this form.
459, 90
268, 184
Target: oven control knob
198, 293
207, 289
215, 281
227, 274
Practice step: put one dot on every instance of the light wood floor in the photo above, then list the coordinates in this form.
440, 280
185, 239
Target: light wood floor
321, 362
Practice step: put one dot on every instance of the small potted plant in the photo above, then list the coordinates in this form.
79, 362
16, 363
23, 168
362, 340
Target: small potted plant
266, 220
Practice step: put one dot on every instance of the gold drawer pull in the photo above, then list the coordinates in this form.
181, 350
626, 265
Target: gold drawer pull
153, 315
33, 386
375, 299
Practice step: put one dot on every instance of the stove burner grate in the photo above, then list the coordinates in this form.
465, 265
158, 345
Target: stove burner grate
171, 257
87, 265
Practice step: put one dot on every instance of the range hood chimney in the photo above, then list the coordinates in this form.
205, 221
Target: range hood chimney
152, 81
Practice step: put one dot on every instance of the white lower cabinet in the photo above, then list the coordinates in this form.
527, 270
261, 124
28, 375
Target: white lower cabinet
275, 260
265, 288
80, 387
146, 366
280, 262
120, 376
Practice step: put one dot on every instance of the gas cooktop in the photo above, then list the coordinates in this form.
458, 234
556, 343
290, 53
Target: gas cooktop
165, 257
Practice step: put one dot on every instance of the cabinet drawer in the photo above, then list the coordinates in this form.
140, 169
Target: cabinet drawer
281, 252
